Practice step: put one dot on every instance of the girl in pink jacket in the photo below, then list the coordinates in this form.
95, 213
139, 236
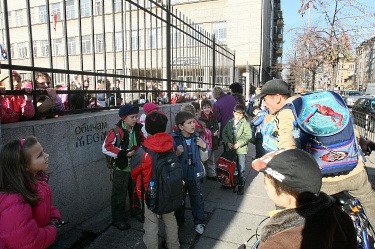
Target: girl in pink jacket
14, 108
28, 219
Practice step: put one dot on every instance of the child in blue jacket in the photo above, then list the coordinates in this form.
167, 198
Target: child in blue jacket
191, 151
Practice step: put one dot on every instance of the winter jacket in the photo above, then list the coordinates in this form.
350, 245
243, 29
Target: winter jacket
242, 135
26, 227
205, 133
47, 106
12, 107
160, 142
213, 125
111, 150
198, 154
223, 109
319, 224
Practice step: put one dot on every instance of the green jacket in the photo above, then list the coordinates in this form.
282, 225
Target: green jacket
242, 135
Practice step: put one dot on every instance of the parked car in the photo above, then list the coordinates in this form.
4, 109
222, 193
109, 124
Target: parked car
364, 105
351, 96
363, 113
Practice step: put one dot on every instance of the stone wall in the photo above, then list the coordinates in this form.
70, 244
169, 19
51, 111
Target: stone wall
79, 176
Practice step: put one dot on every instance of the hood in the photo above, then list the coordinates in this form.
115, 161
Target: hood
160, 142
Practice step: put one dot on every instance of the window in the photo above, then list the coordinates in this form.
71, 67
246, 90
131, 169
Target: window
195, 35
12, 50
86, 44
70, 9
19, 18
219, 29
117, 5
32, 15
99, 45
22, 50
85, 8
136, 40
154, 38
176, 38
173, 2
118, 41
35, 49
44, 47
42, 14
10, 19
98, 7
72, 45
56, 10
57, 47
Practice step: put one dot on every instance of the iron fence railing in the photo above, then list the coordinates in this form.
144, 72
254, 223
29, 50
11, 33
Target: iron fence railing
154, 51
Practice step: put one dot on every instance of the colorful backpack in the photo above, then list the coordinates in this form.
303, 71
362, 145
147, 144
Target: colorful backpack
324, 128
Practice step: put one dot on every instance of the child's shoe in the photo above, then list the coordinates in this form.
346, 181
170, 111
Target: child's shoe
199, 228
240, 190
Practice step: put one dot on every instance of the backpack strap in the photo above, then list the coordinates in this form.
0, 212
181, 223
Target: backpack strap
118, 136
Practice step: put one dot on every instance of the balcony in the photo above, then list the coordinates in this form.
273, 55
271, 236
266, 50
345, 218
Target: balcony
279, 37
279, 52
280, 23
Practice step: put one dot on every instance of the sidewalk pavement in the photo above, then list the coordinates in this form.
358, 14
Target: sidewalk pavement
231, 219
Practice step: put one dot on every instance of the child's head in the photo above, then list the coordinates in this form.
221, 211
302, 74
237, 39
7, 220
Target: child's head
185, 122
292, 176
206, 106
128, 114
20, 161
196, 106
239, 112
149, 107
188, 108
156, 122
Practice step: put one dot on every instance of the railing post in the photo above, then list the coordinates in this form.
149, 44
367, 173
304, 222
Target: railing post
169, 52
213, 60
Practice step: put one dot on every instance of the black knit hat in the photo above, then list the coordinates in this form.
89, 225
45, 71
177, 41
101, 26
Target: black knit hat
126, 110
156, 122
295, 168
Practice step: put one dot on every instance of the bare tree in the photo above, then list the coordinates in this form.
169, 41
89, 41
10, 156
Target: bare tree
342, 25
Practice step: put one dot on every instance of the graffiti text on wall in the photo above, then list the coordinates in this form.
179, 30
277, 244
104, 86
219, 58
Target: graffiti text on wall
88, 134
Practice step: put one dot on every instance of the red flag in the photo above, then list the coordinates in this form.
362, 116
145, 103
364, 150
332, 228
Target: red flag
54, 21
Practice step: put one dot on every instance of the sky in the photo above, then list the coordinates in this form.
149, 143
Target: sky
293, 20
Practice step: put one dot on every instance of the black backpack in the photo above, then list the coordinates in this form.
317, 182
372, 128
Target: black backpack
167, 174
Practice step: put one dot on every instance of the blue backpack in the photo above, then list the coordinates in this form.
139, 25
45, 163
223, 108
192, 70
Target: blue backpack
324, 128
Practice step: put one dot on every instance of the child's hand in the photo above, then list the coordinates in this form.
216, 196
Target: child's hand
179, 150
230, 145
201, 143
216, 133
236, 146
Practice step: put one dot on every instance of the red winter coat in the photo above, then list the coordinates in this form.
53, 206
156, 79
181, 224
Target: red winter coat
160, 142
24, 227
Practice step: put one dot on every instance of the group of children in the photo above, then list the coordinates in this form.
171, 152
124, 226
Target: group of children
29, 218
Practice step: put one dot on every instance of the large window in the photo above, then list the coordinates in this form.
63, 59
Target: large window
57, 47
219, 29
117, 5
86, 44
70, 13
99, 46
118, 41
98, 7
72, 45
155, 38
22, 50
42, 14
56, 10
85, 8
44, 48
19, 18
35, 49
136, 40
176, 38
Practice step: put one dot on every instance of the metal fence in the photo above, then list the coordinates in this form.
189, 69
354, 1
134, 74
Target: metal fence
155, 52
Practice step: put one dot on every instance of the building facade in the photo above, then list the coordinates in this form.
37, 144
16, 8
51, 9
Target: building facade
364, 69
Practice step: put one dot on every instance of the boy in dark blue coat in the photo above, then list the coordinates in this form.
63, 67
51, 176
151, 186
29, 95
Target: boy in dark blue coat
191, 151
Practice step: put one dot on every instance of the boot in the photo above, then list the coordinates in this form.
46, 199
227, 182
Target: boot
240, 190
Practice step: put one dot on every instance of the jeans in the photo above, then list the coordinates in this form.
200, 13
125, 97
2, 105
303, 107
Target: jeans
122, 185
196, 202
151, 227
241, 168
359, 187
